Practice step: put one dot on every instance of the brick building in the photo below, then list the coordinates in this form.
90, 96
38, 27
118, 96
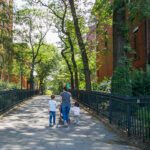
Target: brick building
140, 43
6, 25
6, 17
104, 57
6, 36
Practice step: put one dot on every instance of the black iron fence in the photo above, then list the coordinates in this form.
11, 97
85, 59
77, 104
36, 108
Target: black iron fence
8, 99
131, 114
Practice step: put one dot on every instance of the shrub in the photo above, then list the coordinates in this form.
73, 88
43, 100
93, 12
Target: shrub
8, 86
121, 81
140, 83
105, 85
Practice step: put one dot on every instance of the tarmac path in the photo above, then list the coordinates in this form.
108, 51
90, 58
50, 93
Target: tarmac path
26, 128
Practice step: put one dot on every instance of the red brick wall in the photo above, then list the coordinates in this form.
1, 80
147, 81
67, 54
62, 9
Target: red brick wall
104, 55
140, 55
15, 79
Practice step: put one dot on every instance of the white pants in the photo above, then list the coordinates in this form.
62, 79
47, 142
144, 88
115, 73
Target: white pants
76, 119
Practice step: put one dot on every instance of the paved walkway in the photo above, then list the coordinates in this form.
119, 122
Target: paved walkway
27, 129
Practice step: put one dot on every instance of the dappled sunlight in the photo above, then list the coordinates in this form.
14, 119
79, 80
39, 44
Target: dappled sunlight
27, 128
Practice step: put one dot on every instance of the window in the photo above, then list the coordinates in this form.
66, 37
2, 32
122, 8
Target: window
135, 43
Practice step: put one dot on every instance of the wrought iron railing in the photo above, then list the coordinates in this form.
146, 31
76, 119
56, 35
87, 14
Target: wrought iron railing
8, 99
131, 114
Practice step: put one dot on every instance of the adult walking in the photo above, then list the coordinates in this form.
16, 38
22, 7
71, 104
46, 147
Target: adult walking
65, 106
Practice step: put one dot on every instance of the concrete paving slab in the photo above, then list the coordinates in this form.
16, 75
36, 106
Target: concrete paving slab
27, 129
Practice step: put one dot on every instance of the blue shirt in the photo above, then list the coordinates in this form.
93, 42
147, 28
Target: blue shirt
65, 98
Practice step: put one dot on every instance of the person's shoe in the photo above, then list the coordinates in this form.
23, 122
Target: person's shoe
65, 124
50, 125
77, 123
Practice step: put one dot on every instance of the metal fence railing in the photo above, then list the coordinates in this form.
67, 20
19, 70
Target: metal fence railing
8, 99
131, 114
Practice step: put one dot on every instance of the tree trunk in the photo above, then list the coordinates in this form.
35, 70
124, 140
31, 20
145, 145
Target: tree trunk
41, 87
82, 46
74, 63
69, 68
119, 35
32, 77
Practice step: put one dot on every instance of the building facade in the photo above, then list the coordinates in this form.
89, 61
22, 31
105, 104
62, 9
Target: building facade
6, 17
140, 43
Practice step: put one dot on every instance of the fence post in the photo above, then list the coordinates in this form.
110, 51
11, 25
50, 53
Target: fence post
110, 110
129, 119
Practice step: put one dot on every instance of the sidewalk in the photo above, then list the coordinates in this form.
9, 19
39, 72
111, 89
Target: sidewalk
27, 129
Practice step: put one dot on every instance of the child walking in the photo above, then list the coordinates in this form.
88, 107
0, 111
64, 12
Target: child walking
52, 111
76, 112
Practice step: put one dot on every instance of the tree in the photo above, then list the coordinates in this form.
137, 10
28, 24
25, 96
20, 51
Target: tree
49, 62
32, 33
78, 32
59, 10
21, 61
119, 31
63, 53
81, 45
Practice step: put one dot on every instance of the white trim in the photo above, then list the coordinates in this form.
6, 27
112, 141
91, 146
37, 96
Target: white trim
135, 29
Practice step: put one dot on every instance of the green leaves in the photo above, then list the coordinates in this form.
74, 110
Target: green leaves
49, 60
139, 8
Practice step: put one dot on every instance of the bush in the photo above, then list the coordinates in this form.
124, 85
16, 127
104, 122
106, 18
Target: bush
105, 85
8, 86
48, 92
140, 83
121, 81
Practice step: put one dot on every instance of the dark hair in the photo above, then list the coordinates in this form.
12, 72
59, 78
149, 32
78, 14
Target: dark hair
52, 96
65, 88
76, 104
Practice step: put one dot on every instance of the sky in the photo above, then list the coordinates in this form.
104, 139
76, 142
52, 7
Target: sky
51, 36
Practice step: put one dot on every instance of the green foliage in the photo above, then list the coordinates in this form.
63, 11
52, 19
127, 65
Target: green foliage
139, 8
6, 49
49, 60
140, 83
8, 86
21, 61
121, 81
103, 13
105, 85
48, 92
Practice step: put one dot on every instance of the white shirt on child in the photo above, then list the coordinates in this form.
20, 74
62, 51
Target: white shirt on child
52, 105
76, 111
